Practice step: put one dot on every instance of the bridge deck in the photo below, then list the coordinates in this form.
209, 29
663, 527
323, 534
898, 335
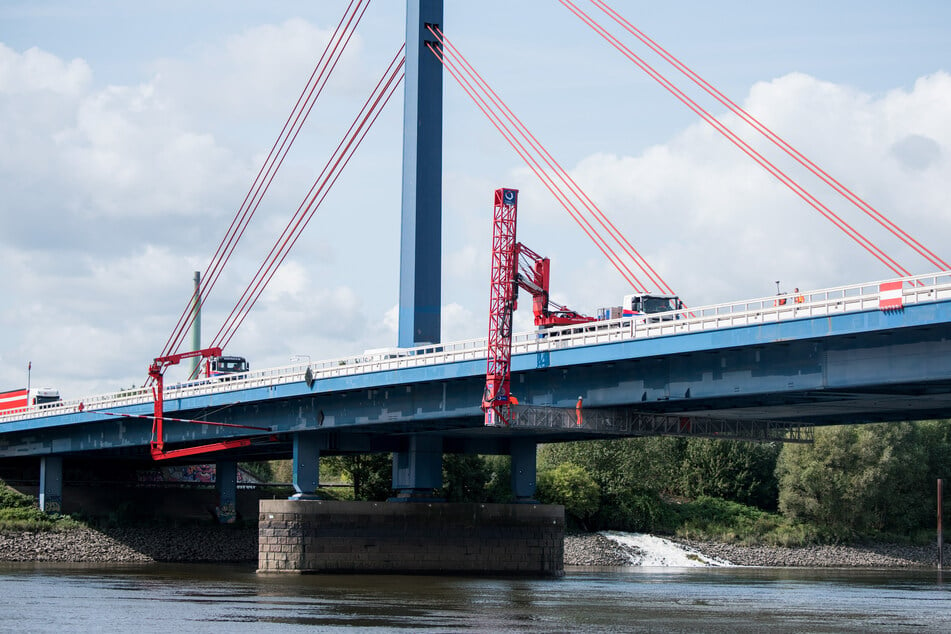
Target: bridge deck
834, 357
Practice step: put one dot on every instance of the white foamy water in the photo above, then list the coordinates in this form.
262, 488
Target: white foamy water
647, 550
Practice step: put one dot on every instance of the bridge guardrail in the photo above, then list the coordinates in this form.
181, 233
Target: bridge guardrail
830, 301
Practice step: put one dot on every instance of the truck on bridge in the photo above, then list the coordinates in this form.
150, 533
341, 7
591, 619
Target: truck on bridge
26, 398
221, 365
650, 304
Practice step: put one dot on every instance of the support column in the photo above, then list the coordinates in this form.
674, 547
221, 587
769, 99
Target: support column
421, 233
417, 470
523, 469
226, 484
196, 325
51, 484
306, 465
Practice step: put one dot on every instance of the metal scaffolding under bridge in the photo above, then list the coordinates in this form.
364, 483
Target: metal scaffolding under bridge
630, 422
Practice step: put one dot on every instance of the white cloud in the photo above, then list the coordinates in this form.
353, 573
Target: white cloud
36, 71
114, 194
255, 75
718, 228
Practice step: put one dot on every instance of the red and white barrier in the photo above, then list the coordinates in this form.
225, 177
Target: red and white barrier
889, 296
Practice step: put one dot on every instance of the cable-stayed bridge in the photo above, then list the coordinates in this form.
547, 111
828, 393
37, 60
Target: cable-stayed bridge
764, 369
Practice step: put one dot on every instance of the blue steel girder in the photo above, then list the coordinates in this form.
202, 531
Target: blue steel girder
847, 368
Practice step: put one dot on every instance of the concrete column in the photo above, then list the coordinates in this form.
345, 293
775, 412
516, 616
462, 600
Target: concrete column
418, 469
306, 465
523, 469
226, 484
51, 484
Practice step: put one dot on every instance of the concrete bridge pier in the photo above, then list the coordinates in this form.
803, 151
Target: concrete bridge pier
51, 484
420, 534
417, 469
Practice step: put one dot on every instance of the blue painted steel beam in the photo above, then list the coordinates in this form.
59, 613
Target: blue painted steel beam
523, 469
421, 231
417, 466
51, 484
226, 486
306, 465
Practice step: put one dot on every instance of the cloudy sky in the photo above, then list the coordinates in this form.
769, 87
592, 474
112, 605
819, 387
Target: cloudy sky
131, 132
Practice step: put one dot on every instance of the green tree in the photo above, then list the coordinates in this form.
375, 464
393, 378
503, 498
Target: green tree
572, 487
370, 474
631, 474
464, 478
499, 487
732, 470
263, 471
858, 479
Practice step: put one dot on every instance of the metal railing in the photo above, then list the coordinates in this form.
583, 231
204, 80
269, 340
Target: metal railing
830, 301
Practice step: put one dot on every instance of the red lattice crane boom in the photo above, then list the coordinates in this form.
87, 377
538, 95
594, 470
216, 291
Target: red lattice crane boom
513, 265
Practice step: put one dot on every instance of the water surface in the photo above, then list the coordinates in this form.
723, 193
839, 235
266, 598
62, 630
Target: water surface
203, 598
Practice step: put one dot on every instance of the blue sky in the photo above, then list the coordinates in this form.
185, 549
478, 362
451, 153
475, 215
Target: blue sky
132, 132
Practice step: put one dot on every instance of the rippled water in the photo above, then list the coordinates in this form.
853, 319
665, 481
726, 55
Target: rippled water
193, 598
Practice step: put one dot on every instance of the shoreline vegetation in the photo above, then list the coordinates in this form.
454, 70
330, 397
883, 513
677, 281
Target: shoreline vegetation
859, 497
238, 544
727, 533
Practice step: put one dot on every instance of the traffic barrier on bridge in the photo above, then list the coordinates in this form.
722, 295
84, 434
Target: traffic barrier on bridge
889, 295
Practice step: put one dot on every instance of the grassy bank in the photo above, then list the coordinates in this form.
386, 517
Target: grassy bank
19, 512
712, 519
732, 523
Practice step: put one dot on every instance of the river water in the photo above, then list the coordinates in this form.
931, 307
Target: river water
229, 598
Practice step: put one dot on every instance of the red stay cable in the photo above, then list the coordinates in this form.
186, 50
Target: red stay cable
307, 208
312, 100
775, 138
563, 175
244, 212
326, 190
294, 225
742, 145
539, 171
322, 70
546, 179
322, 192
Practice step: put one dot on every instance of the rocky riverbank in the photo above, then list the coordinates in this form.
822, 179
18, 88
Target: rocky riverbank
132, 545
599, 550
239, 544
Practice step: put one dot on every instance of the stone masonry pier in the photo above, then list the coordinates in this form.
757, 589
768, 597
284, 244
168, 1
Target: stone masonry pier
316, 536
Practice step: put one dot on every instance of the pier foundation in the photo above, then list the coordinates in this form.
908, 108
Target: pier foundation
318, 536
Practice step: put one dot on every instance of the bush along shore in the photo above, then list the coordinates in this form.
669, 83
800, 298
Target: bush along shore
239, 544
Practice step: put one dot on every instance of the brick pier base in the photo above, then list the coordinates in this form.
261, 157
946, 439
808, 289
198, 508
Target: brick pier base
299, 536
